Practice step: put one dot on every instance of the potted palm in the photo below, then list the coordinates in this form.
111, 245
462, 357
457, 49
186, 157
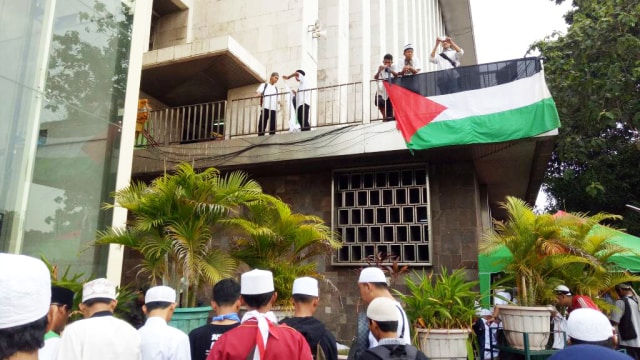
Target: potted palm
442, 307
272, 236
547, 250
172, 225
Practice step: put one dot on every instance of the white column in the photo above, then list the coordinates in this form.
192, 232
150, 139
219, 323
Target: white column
32, 119
366, 59
139, 34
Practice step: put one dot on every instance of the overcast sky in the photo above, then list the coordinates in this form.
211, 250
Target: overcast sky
504, 29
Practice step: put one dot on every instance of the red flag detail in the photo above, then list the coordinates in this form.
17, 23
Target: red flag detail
411, 110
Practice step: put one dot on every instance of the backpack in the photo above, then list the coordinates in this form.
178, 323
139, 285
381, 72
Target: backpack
385, 353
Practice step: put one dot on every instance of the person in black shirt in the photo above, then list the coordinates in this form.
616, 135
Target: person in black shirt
305, 302
226, 303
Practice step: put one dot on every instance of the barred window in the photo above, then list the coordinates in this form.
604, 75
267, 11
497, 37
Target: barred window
382, 211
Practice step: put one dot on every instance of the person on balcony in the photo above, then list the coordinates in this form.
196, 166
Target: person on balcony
447, 61
268, 95
412, 64
303, 99
385, 72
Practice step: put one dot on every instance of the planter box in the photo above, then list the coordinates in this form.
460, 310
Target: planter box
187, 319
444, 343
535, 321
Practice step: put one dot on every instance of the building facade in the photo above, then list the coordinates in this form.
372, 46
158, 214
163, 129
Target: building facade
429, 208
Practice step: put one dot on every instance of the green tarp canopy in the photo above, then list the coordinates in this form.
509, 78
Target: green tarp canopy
495, 263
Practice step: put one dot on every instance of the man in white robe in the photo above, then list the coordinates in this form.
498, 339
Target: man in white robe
159, 341
99, 335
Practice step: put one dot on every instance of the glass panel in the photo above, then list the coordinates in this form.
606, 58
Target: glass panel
79, 130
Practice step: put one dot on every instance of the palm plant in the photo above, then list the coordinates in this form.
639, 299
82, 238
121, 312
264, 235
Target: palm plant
442, 301
172, 224
547, 250
287, 243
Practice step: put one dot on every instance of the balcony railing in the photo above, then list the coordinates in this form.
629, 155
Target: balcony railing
329, 106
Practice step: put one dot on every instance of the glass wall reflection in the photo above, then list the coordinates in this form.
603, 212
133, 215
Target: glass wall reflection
59, 145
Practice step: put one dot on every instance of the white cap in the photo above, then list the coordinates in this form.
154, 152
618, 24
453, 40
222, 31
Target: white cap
160, 293
407, 47
98, 288
25, 284
372, 275
256, 282
485, 312
588, 325
562, 289
305, 286
382, 309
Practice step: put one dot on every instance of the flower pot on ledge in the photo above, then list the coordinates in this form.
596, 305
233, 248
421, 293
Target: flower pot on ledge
444, 343
535, 321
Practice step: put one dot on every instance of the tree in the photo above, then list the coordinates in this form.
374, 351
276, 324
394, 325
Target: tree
173, 225
274, 237
593, 73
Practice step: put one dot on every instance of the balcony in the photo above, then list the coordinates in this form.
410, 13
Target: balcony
347, 129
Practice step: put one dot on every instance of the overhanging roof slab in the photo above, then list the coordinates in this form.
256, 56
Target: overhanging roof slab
200, 71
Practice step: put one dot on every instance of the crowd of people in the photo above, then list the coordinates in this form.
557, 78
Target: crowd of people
34, 315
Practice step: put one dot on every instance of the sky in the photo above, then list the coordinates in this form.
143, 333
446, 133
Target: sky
504, 29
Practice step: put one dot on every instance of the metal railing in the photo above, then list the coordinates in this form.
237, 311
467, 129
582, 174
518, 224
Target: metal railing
327, 106
185, 124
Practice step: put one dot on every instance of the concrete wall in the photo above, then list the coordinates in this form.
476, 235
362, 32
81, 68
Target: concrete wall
456, 229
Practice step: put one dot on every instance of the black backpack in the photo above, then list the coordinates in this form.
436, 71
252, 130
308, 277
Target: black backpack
400, 352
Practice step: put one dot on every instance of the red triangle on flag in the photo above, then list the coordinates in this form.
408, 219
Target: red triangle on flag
411, 110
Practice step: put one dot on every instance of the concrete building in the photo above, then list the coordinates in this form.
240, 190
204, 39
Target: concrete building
206, 59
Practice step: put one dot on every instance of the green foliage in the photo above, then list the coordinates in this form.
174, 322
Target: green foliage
548, 250
172, 225
273, 237
593, 73
443, 301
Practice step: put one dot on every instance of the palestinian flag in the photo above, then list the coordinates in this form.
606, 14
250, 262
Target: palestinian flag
513, 110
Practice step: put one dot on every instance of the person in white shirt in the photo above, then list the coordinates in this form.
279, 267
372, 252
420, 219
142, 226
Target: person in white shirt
303, 99
411, 64
160, 341
447, 61
268, 94
372, 284
99, 335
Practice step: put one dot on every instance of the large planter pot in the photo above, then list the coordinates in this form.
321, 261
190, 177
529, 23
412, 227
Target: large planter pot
535, 321
187, 319
444, 343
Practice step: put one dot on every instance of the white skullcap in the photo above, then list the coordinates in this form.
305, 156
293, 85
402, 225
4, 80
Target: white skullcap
256, 282
25, 284
98, 288
407, 47
382, 309
372, 275
160, 293
305, 286
588, 325
562, 289
485, 312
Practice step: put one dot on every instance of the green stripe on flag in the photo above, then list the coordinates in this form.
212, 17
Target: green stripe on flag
519, 123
